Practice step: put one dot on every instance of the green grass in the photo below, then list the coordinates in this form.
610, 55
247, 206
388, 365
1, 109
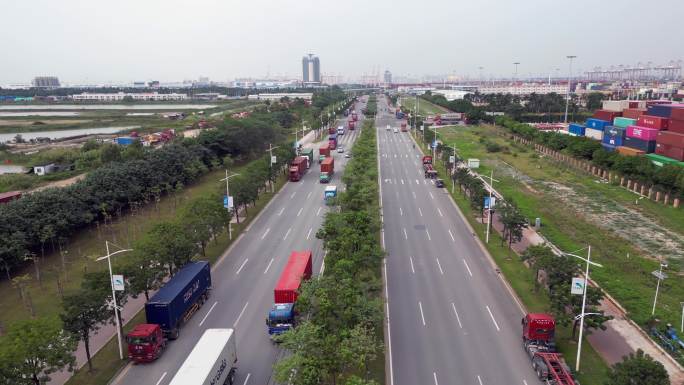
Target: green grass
424, 107
593, 370
106, 362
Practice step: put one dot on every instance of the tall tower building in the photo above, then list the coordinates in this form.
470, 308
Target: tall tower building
388, 77
311, 69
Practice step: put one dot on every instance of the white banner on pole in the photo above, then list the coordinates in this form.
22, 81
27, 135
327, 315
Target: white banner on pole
577, 286
118, 282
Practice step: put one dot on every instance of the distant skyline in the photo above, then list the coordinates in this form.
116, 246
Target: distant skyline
99, 41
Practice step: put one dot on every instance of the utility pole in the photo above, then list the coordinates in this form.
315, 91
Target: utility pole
489, 209
453, 171
660, 275
230, 231
270, 164
567, 94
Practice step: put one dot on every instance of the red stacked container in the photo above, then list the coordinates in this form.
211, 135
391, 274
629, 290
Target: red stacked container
653, 122
633, 113
670, 144
677, 120
606, 115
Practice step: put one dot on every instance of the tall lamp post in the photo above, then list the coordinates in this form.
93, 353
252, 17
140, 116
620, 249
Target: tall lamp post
567, 94
270, 166
660, 275
491, 206
228, 203
111, 282
584, 299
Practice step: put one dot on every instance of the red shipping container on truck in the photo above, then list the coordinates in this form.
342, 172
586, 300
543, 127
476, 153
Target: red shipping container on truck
606, 115
670, 138
670, 151
299, 268
653, 122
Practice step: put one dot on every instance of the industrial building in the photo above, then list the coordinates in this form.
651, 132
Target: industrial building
311, 69
45, 82
388, 77
277, 97
119, 96
523, 88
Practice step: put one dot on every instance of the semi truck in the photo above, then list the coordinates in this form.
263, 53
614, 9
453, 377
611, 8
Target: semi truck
327, 169
403, 127
213, 360
323, 152
298, 168
330, 193
332, 141
299, 268
331, 130
539, 344
355, 117
351, 125
308, 153
166, 311
399, 114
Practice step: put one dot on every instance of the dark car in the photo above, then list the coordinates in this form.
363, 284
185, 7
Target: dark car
439, 183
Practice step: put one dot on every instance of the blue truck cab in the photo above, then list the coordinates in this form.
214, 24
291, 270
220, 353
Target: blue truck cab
281, 318
179, 298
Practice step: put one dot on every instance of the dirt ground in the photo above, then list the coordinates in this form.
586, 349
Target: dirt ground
47, 122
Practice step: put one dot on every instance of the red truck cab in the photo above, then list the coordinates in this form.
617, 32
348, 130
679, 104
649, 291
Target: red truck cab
427, 159
146, 343
298, 168
403, 127
538, 327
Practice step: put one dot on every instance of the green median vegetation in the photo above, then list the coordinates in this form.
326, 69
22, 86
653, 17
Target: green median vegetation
339, 339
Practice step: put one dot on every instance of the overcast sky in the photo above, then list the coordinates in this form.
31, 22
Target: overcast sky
98, 41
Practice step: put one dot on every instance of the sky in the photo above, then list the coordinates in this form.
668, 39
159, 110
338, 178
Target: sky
98, 41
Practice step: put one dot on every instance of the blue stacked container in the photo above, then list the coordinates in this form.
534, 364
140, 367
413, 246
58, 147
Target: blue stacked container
661, 110
614, 136
576, 129
608, 147
597, 124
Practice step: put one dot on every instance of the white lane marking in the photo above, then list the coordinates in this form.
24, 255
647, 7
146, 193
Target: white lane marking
292, 195
457, 317
412, 269
241, 313
467, 267
265, 232
432, 181
417, 181
479, 380
322, 267
429, 192
389, 329
207, 315
405, 235
241, 266
281, 211
247, 378
428, 234
160, 379
383, 240
434, 375
308, 195
288, 233
524, 382
397, 192
452, 236
493, 320
422, 317
309, 233
269, 266
402, 181
401, 212
414, 194
440, 266
420, 211
440, 212
300, 211
319, 211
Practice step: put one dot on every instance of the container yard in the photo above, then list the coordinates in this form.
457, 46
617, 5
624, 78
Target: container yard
636, 128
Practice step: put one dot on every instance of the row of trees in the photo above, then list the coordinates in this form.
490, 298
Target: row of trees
341, 334
669, 178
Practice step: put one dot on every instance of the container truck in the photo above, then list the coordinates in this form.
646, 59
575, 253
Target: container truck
332, 141
331, 130
330, 192
403, 127
213, 360
351, 125
298, 168
309, 154
327, 170
323, 152
538, 342
355, 117
346, 112
166, 311
299, 268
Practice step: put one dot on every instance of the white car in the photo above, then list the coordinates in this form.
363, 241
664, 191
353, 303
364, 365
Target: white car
388, 127
395, 130
340, 149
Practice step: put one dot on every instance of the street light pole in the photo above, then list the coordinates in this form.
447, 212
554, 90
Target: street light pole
584, 300
567, 94
111, 282
230, 229
270, 164
682, 329
453, 171
489, 210
660, 278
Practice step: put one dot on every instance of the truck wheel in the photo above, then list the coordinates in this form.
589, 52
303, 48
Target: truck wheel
231, 377
174, 334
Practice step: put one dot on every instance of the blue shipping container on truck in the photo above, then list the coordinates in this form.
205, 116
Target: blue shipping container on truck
662, 110
608, 147
597, 124
180, 293
576, 129
647, 146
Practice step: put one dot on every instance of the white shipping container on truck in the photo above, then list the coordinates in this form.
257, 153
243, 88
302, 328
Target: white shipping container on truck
213, 360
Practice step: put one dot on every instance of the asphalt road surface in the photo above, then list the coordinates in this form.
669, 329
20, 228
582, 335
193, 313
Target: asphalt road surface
243, 280
451, 318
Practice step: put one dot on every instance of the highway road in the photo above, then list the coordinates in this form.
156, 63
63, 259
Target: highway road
243, 280
451, 318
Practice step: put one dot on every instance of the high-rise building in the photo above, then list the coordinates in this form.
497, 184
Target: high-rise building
311, 69
45, 82
388, 77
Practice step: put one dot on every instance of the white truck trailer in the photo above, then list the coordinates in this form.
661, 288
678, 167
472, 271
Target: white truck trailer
213, 360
